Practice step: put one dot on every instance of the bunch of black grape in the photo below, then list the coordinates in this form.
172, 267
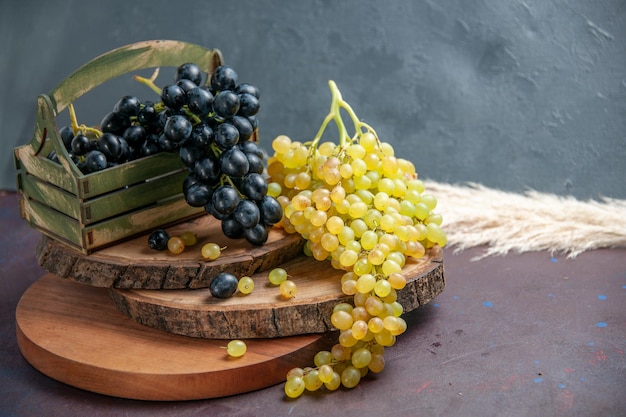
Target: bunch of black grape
212, 125
225, 166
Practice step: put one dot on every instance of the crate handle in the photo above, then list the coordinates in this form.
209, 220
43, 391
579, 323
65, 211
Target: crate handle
132, 57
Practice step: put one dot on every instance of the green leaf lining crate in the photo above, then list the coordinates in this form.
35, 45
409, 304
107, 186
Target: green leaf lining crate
91, 211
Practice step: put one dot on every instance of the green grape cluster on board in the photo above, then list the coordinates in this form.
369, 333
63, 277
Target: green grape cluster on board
363, 208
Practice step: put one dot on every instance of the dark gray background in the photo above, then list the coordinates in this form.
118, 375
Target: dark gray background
512, 94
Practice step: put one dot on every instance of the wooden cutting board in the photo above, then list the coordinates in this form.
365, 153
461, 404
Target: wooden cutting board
73, 333
132, 264
265, 313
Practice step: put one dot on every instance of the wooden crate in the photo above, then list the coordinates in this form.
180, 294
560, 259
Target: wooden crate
91, 211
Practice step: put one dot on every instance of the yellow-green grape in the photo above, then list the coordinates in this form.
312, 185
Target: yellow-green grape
347, 307
347, 339
334, 383
360, 313
365, 284
189, 238
429, 200
342, 320
211, 251
274, 189
355, 151
175, 245
236, 348
340, 352
397, 308
361, 357
401, 327
281, 144
334, 224
359, 226
288, 288
376, 257
295, 372
369, 239
312, 381
329, 242
325, 373
348, 258
323, 357
318, 218
385, 338
359, 329
245, 285
374, 305
350, 377
375, 324
435, 234
377, 362
294, 387
277, 275
391, 323
382, 288
362, 266
390, 266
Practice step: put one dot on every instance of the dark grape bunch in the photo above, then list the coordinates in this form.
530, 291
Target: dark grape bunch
212, 126
225, 167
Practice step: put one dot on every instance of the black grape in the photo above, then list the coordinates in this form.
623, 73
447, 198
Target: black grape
256, 235
234, 163
254, 186
223, 285
226, 136
247, 214
224, 78
271, 210
225, 199
189, 71
226, 104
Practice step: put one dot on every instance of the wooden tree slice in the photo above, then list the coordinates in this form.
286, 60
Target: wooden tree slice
264, 313
132, 264
73, 333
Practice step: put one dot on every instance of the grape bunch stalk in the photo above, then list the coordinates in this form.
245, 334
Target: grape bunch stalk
363, 208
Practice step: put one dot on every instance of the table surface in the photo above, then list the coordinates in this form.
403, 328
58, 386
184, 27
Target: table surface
533, 334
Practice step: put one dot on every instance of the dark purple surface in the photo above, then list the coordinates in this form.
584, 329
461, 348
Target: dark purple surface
519, 335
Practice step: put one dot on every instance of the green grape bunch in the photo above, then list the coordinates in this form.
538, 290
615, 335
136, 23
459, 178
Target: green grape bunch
363, 208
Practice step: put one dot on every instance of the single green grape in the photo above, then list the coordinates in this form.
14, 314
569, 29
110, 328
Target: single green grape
294, 386
288, 288
277, 275
189, 238
211, 251
236, 348
175, 245
245, 285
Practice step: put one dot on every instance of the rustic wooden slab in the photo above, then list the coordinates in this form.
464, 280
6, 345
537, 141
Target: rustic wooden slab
74, 334
264, 313
132, 264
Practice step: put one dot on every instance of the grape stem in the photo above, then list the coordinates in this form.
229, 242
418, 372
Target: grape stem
149, 81
81, 128
336, 105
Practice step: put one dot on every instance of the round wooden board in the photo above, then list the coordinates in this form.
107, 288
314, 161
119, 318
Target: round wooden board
74, 334
264, 313
132, 264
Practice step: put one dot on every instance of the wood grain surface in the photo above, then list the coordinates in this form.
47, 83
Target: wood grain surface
132, 264
265, 313
73, 333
